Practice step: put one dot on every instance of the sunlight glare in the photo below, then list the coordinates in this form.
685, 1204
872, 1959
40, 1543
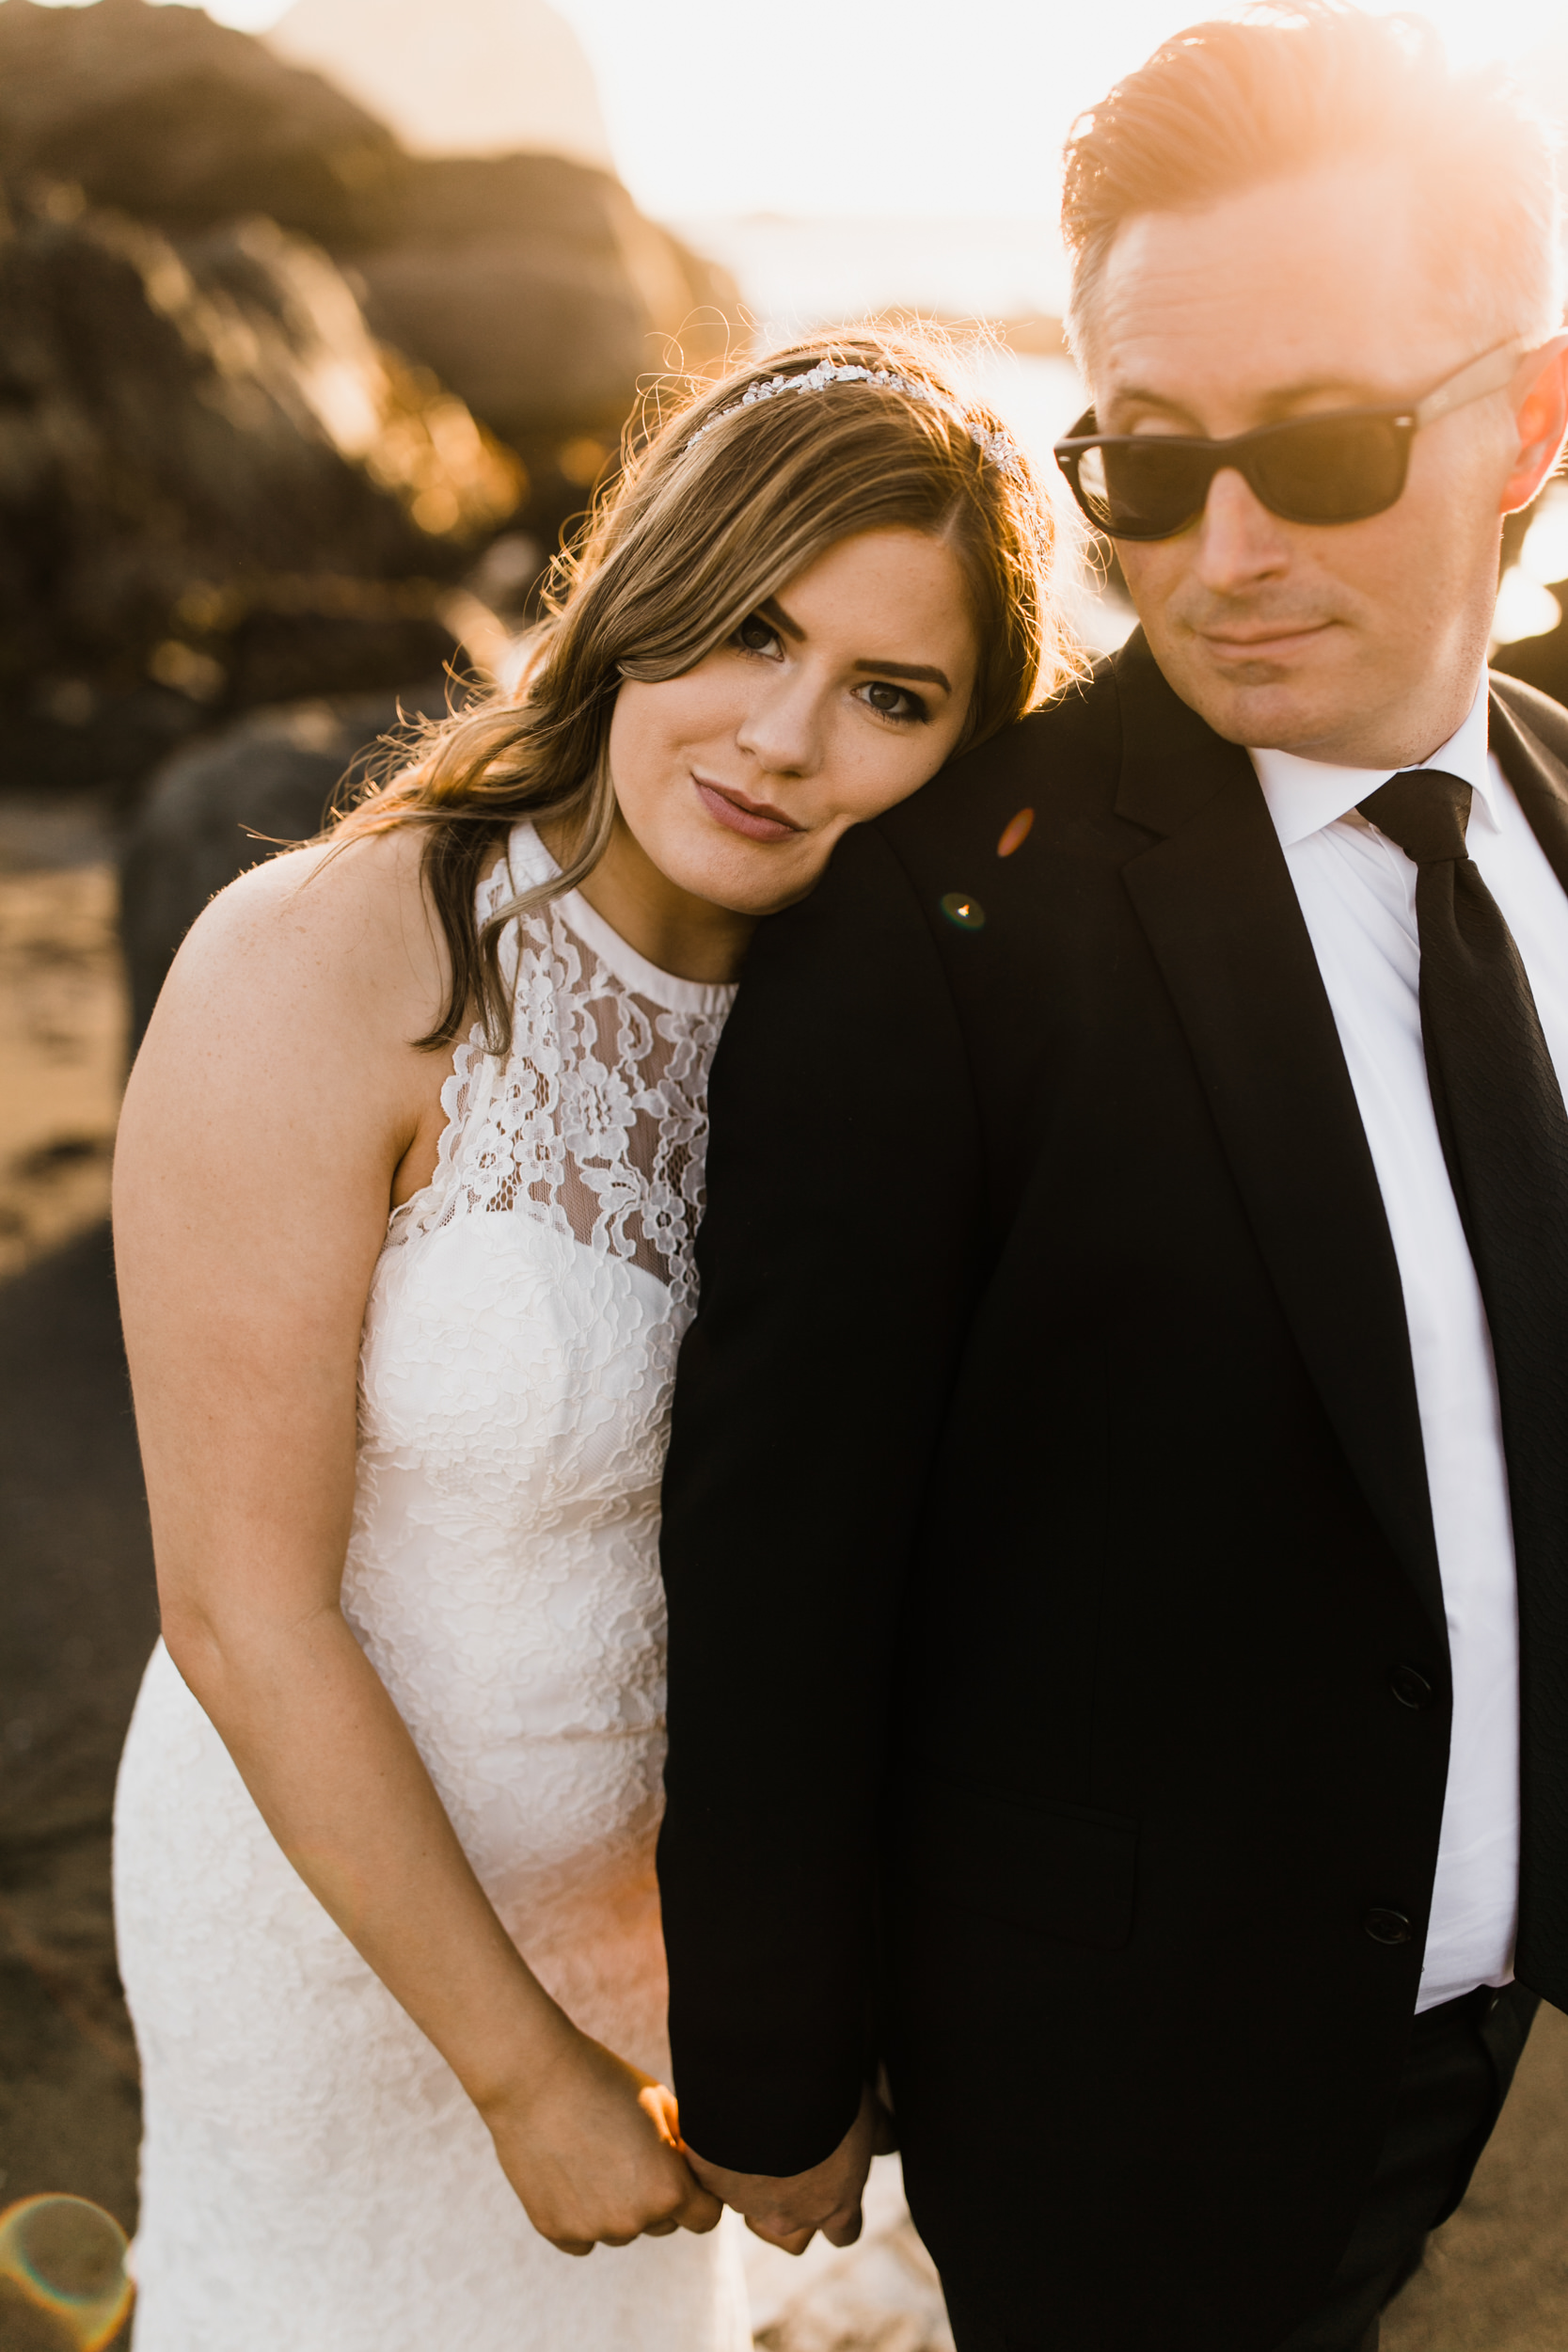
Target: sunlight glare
1524, 609
874, 110
1474, 30
1544, 553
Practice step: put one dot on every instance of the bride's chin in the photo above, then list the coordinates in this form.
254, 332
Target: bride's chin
755, 895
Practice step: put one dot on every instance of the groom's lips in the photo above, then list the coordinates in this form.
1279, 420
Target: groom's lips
753, 819
1273, 640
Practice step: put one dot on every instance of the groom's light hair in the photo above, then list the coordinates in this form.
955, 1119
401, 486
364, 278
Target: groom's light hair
1300, 84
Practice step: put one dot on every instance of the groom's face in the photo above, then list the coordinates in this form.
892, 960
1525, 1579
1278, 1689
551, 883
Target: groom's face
1357, 642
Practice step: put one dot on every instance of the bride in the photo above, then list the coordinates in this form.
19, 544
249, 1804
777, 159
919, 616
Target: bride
407, 1180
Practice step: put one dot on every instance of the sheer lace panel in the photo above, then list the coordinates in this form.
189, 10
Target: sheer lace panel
598, 1122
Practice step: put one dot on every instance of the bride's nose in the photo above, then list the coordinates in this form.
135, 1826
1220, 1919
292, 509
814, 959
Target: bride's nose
783, 725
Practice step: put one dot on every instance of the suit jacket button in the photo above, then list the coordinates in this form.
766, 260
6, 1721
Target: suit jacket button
1387, 1927
1410, 1688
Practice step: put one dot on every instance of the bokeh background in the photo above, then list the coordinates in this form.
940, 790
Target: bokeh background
318, 326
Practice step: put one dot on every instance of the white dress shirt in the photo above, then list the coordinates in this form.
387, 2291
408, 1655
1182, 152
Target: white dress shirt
1357, 894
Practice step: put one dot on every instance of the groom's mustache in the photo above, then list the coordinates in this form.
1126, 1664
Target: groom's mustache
1240, 620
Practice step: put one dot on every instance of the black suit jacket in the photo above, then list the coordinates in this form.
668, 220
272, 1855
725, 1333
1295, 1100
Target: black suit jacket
1045, 1518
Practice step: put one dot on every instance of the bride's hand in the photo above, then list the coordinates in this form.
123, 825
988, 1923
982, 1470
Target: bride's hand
592, 2148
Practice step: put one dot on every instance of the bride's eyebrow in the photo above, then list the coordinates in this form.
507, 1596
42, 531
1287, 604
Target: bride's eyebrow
771, 610
908, 669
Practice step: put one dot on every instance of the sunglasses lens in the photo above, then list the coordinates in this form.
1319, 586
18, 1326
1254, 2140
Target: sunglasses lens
1337, 470
1144, 489
1088, 480
1315, 469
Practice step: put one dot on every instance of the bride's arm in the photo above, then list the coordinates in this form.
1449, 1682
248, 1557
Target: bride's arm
276, 1109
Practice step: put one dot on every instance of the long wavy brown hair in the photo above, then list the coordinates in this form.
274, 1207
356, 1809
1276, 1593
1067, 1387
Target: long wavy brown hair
716, 505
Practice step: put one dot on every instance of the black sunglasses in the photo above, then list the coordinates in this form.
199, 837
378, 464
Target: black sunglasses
1333, 468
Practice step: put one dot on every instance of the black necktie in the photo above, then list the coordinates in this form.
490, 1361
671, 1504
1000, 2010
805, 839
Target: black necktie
1505, 1138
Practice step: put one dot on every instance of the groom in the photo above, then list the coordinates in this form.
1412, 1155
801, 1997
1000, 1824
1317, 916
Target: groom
1117, 1526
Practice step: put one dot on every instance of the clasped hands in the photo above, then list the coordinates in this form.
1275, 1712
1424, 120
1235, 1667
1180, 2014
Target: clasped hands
789, 2211
593, 2148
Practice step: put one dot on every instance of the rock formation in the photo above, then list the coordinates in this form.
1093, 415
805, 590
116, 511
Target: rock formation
538, 292
216, 489
529, 281
161, 112
222, 804
466, 77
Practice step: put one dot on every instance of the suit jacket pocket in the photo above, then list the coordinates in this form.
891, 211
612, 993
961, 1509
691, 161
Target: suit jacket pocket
1054, 1870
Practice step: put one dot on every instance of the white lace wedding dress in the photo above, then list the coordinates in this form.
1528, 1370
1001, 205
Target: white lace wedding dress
313, 2178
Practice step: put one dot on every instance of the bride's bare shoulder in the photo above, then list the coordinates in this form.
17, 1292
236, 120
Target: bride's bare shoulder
336, 932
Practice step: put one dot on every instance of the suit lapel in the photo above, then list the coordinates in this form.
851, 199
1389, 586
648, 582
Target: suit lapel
1217, 906
1539, 777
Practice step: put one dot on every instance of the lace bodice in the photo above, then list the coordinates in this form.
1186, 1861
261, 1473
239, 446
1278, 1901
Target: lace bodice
518, 1359
502, 1574
596, 1122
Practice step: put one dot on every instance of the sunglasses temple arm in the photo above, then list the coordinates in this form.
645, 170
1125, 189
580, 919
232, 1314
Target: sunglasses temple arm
1488, 374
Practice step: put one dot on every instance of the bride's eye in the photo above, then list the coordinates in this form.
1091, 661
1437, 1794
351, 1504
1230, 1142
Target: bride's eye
756, 636
892, 701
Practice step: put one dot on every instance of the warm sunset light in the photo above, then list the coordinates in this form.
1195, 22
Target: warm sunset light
876, 109
955, 1643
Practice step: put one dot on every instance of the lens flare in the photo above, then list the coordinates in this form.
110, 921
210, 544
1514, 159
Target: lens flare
963, 912
1015, 832
65, 2257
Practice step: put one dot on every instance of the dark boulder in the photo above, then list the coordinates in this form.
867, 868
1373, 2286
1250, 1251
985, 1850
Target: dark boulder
215, 490
535, 287
161, 112
529, 283
223, 804
536, 290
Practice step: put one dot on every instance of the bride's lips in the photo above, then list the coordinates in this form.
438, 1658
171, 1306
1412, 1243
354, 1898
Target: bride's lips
753, 818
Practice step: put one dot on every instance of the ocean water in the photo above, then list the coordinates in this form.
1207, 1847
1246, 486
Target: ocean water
799, 273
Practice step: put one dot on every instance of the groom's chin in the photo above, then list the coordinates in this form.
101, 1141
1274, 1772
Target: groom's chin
1287, 701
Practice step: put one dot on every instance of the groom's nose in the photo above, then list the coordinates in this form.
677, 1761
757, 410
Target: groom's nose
1239, 542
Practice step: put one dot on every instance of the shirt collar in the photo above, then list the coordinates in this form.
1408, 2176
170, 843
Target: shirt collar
1305, 795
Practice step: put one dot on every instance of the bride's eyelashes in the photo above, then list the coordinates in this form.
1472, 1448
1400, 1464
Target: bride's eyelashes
893, 701
757, 635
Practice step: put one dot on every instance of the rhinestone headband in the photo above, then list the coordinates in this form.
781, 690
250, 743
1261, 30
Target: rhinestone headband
996, 447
